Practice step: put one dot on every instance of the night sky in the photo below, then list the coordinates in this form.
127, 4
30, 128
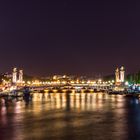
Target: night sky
79, 37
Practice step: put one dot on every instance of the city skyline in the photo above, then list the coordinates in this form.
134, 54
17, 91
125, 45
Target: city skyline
18, 69
69, 70
69, 37
92, 75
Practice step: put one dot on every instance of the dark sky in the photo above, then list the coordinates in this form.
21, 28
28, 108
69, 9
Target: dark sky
83, 37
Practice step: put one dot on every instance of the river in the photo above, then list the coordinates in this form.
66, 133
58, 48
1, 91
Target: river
61, 116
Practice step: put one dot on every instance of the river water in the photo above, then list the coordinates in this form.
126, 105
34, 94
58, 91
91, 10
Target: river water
60, 116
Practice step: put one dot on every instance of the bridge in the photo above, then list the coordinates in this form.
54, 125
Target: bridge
71, 88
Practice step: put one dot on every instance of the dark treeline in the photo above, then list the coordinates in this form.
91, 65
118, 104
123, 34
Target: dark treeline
133, 78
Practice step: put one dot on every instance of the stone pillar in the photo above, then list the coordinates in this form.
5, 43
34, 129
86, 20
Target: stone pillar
20, 76
117, 76
14, 76
122, 74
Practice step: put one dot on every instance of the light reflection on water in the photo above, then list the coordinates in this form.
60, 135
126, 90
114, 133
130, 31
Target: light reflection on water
71, 116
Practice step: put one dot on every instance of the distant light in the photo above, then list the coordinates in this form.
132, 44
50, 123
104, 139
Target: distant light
99, 81
72, 82
126, 83
88, 82
83, 82
133, 87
